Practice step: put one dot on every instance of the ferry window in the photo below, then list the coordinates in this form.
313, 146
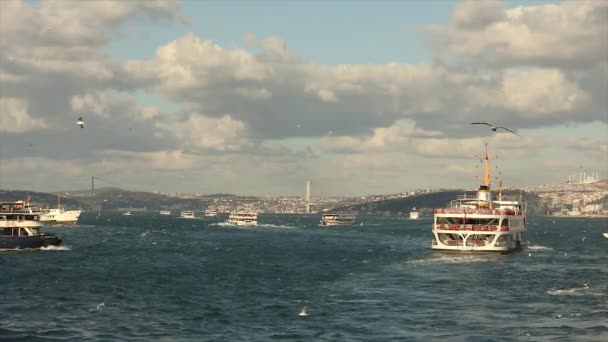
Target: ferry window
7, 231
442, 220
505, 222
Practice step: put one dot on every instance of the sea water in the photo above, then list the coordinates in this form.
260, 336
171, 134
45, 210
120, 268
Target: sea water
148, 277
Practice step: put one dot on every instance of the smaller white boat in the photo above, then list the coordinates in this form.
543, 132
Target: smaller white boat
165, 212
243, 218
303, 312
187, 214
414, 214
605, 235
59, 215
126, 213
338, 219
211, 212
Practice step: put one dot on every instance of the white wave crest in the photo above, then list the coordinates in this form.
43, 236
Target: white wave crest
456, 259
539, 248
586, 290
268, 225
56, 248
264, 225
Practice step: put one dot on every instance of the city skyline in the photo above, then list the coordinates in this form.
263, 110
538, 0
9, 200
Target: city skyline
258, 97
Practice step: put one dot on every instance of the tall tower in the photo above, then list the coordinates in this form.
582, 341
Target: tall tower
308, 197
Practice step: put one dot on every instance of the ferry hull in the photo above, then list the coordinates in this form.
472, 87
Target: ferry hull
66, 223
28, 242
241, 223
472, 251
58, 216
325, 224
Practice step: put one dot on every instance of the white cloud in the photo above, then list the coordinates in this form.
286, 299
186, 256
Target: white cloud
533, 93
15, 117
477, 14
524, 68
158, 160
596, 148
570, 33
192, 63
254, 93
18, 166
395, 137
220, 134
512, 145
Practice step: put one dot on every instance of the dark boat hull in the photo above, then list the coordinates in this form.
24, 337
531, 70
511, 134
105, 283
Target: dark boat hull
29, 242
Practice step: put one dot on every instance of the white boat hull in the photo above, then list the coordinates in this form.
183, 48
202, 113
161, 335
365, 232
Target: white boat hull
605, 235
60, 217
243, 223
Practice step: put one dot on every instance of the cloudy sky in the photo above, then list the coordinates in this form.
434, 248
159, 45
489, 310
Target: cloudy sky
255, 97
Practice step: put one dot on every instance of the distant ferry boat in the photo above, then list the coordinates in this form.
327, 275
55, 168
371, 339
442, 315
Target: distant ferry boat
243, 218
165, 212
338, 219
127, 213
211, 212
20, 228
480, 223
414, 214
59, 215
187, 214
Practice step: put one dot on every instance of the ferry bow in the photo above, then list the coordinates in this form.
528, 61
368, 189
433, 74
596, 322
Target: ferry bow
480, 223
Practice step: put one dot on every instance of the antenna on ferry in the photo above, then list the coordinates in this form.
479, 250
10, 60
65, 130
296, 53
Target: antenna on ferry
499, 185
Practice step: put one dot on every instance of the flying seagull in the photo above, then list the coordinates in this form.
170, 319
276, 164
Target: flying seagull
494, 128
80, 122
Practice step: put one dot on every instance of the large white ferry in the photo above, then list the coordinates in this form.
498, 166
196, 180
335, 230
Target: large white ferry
480, 223
338, 219
187, 214
414, 214
59, 215
243, 218
20, 228
211, 212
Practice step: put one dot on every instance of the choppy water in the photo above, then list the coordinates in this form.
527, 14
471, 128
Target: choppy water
153, 278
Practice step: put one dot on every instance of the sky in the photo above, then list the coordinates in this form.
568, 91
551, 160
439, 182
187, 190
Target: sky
256, 97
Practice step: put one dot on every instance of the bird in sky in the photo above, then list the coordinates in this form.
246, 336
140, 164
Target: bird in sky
80, 122
492, 127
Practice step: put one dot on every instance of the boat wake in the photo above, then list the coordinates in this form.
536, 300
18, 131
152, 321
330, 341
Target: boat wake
539, 248
56, 248
585, 290
455, 259
276, 226
263, 225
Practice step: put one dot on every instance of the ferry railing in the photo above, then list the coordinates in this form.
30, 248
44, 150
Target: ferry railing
478, 211
470, 227
469, 197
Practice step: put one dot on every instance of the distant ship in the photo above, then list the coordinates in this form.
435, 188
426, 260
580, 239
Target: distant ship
338, 219
20, 228
605, 235
127, 213
187, 214
243, 218
414, 214
59, 215
211, 212
165, 212
480, 223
